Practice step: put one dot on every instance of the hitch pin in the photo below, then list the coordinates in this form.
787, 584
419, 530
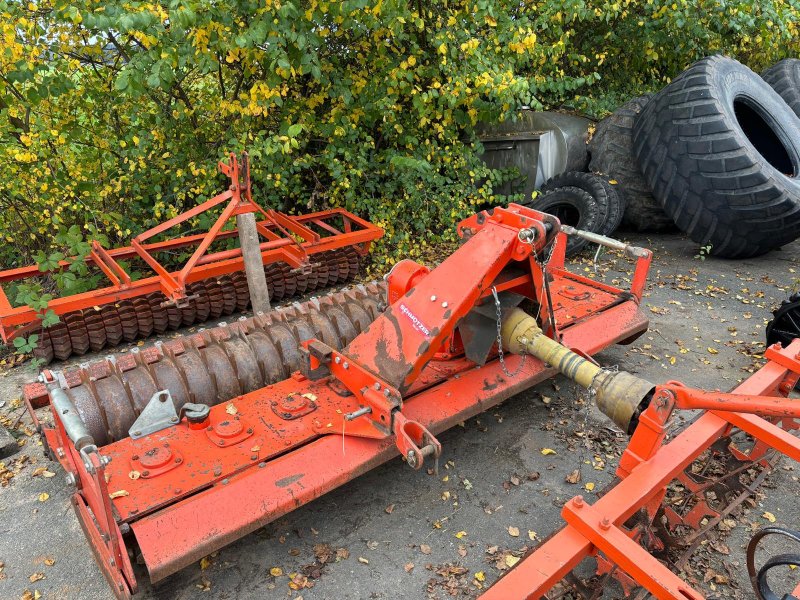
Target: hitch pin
364, 410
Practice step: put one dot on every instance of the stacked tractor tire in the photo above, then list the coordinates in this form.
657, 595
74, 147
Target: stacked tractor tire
715, 153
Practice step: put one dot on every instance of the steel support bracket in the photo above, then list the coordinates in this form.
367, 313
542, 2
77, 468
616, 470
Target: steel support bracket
159, 414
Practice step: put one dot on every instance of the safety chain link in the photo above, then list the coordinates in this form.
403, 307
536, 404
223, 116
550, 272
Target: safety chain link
499, 312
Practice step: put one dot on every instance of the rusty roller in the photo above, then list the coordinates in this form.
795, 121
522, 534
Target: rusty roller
129, 320
217, 364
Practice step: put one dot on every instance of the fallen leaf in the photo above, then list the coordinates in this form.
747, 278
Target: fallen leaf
769, 517
204, 585
36, 577
44, 497
511, 560
297, 581
462, 551
461, 534
548, 451
425, 549
205, 562
276, 571
389, 509
532, 535
408, 567
324, 553
480, 576
467, 484
255, 448
712, 350
118, 494
49, 561
589, 486
231, 409
372, 545
513, 531
363, 560
342, 554
134, 475
573, 477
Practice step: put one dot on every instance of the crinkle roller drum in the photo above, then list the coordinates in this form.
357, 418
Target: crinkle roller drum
217, 364
136, 318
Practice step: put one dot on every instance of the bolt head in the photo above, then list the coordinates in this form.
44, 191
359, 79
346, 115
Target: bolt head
337, 360
433, 298
346, 366
578, 501
377, 385
444, 304
137, 433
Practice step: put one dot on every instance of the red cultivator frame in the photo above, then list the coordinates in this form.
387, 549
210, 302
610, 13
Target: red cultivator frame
631, 520
291, 240
391, 390
432, 359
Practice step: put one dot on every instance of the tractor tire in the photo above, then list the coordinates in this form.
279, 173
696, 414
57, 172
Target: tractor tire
721, 151
572, 206
784, 78
611, 151
611, 205
785, 324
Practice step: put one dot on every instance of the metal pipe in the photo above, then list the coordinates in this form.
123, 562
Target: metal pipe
596, 238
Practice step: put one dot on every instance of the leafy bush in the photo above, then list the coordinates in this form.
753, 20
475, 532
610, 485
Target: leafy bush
113, 115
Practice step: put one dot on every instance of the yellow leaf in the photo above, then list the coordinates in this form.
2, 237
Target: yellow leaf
511, 560
547, 451
490, 21
276, 571
769, 517
612, 181
412, 61
43, 497
480, 576
532, 535
712, 350
205, 562
513, 531
589, 486
461, 534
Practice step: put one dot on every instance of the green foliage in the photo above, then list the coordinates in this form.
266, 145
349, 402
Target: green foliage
113, 115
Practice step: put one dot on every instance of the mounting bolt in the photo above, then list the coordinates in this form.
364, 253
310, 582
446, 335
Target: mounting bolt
124, 528
578, 501
70, 479
444, 304
337, 360
178, 460
145, 473
433, 298
135, 457
249, 430
173, 419
261, 465
137, 433
377, 385
605, 524
386, 392
345, 365
221, 442
225, 481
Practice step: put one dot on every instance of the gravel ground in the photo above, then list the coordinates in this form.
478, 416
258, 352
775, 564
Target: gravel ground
394, 533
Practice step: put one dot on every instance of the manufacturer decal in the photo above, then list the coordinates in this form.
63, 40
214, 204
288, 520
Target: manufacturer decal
418, 325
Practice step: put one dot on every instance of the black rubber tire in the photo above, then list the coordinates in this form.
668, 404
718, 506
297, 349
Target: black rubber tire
611, 151
609, 202
785, 324
572, 206
715, 146
784, 78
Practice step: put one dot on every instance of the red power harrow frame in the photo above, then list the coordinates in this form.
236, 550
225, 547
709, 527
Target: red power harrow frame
288, 239
395, 386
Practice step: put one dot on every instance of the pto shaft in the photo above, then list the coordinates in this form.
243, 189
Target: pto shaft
620, 395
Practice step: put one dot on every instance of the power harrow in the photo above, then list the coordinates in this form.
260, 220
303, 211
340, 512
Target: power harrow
318, 394
300, 254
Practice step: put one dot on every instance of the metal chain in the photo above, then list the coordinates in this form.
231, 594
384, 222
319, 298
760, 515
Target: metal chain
499, 312
500, 353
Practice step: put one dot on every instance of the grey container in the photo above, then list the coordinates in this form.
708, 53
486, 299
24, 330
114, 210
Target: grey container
539, 144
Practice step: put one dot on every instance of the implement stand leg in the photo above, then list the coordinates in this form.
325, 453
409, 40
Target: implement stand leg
254, 268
